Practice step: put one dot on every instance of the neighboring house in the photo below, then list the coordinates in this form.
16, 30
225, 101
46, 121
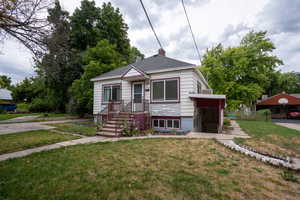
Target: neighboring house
157, 92
6, 101
280, 105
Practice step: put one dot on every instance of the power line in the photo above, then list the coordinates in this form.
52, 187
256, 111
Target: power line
187, 18
150, 23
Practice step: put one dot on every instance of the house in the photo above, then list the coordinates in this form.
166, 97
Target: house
6, 100
280, 104
157, 92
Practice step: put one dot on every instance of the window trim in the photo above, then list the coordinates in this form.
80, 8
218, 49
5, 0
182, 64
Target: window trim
111, 85
164, 80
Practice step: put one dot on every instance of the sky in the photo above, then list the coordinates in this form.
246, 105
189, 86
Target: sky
213, 22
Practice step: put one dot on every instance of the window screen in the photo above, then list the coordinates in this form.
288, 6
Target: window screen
155, 123
161, 123
106, 93
116, 93
169, 123
171, 90
158, 90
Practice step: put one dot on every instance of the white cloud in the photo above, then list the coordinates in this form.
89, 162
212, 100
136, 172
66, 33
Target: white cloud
213, 21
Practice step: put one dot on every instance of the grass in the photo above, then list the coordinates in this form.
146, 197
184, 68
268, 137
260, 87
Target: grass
25, 140
7, 116
143, 169
270, 137
87, 128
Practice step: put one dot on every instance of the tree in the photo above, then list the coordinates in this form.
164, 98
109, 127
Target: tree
54, 66
5, 82
244, 72
99, 59
91, 24
83, 23
24, 21
111, 26
28, 89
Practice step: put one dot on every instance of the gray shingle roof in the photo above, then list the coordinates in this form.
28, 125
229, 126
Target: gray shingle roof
153, 63
5, 94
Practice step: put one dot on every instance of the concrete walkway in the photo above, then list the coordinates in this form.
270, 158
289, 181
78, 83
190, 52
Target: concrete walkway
87, 140
29, 126
290, 125
20, 119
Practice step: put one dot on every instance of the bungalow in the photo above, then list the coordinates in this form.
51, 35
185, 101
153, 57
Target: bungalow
157, 92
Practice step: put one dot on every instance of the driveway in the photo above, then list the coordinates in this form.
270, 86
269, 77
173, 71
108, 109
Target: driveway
295, 126
30, 126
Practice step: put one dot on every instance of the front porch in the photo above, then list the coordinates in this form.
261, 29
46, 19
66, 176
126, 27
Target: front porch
119, 118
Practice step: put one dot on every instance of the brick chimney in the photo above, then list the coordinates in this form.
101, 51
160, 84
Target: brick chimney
161, 52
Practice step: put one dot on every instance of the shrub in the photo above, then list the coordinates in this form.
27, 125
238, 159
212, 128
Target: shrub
39, 105
23, 108
226, 122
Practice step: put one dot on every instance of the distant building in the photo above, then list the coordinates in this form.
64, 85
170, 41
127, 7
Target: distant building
280, 104
6, 100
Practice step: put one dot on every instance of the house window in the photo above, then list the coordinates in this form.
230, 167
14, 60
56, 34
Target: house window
166, 123
199, 87
111, 93
165, 90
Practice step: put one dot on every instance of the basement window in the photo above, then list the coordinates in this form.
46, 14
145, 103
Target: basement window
166, 123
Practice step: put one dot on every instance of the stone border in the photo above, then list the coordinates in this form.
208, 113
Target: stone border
266, 159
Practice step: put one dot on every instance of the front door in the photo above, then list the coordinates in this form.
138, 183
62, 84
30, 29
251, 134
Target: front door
137, 96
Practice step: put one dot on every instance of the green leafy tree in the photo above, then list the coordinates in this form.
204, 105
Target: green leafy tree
244, 72
111, 26
91, 24
28, 89
83, 23
99, 59
55, 65
5, 82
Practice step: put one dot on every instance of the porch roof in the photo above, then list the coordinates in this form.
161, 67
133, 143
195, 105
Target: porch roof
207, 96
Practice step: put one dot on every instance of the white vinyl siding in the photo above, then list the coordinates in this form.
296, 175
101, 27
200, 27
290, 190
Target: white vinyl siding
188, 84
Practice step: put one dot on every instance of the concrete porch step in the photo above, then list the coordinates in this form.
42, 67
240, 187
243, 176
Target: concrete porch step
113, 130
106, 134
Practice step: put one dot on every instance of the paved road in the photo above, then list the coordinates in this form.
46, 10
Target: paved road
295, 126
29, 126
20, 119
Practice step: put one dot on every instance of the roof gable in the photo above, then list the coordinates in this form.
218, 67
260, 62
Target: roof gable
275, 100
133, 72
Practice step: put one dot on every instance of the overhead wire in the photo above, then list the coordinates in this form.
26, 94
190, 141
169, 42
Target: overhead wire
193, 36
151, 24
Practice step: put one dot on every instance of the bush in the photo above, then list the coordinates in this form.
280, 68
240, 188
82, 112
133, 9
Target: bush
39, 105
226, 122
261, 115
23, 108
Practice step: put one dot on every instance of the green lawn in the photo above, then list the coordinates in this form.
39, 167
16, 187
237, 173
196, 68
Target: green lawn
143, 169
14, 115
25, 140
87, 128
272, 138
